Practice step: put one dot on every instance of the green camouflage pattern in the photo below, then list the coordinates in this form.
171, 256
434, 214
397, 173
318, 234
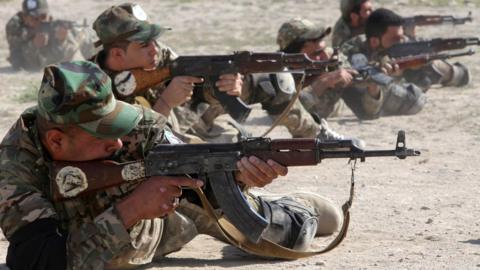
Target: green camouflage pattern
24, 55
96, 234
97, 238
80, 93
35, 7
298, 29
126, 22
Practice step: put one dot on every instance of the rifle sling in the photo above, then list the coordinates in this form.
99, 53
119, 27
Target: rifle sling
266, 248
287, 109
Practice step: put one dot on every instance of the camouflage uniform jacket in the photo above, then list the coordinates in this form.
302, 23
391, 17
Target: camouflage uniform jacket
23, 54
95, 233
342, 32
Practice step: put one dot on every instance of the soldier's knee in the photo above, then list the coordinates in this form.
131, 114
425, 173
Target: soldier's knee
404, 100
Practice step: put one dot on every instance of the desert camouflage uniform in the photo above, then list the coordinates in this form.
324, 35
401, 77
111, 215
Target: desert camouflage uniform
24, 55
95, 236
398, 98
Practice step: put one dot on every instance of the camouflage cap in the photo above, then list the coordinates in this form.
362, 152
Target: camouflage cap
35, 7
300, 29
80, 93
346, 6
125, 22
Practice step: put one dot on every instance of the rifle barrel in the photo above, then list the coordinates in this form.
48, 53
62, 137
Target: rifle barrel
400, 153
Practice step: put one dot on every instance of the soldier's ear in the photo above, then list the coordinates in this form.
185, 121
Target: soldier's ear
117, 53
54, 141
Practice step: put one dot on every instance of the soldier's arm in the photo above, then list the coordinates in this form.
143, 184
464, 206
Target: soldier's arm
372, 102
62, 46
30, 223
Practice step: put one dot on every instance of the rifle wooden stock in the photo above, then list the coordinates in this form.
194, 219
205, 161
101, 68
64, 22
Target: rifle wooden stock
99, 174
146, 79
412, 62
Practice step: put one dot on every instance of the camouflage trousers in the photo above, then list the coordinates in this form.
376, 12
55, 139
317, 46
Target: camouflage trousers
300, 122
190, 220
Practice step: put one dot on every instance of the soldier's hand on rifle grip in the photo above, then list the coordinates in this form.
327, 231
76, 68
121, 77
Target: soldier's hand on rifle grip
153, 198
255, 172
179, 91
231, 84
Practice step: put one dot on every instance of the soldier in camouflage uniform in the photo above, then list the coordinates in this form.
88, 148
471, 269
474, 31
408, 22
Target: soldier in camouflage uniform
322, 94
78, 119
36, 40
196, 120
124, 50
352, 21
398, 97
438, 72
384, 28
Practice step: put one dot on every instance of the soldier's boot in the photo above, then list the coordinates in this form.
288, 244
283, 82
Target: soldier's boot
301, 124
326, 212
328, 134
296, 219
442, 72
460, 76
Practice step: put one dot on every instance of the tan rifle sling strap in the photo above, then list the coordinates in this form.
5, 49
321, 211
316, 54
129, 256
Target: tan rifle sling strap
287, 109
266, 248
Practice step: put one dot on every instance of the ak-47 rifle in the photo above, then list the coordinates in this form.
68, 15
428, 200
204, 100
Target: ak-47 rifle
426, 20
411, 62
429, 46
210, 67
214, 164
48, 26
371, 71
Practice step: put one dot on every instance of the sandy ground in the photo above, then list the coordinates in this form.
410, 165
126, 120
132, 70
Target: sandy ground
419, 213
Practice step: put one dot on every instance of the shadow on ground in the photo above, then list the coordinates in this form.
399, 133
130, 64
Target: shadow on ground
7, 70
471, 241
232, 257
